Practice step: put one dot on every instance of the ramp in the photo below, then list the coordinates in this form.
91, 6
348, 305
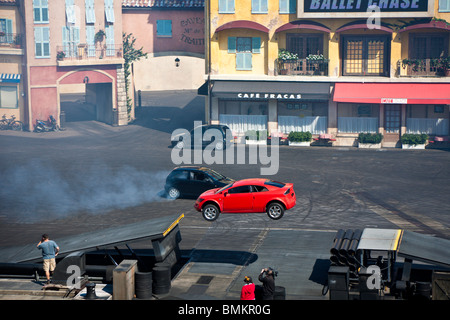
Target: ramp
154, 229
425, 248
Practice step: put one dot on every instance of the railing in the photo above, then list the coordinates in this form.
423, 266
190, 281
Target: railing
420, 68
301, 67
11, 40
86, 52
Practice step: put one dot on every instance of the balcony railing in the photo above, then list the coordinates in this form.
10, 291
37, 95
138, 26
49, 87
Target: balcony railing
11, 40
303, 67
423, 68
88, 52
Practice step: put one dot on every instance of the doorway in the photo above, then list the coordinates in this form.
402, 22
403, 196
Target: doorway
392, 125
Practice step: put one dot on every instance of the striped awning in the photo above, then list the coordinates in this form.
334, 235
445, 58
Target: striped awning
10, 77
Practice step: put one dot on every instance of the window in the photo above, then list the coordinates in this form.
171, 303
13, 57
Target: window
259, 189
8, 97
70, 12
109, 31
428, 45
42, 42
226, 6
365, 55
40, 11
71, 39
259, 6
90, 11
241, 189
304, 44
109, 11
90, 40
6, 28
288, 6
244, 48
164, 28
444, 5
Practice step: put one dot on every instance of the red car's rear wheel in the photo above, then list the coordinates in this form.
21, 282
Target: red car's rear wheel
275, 210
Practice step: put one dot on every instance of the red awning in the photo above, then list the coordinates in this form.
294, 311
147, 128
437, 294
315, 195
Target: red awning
393, 93
243, 24
434, 24
295, 25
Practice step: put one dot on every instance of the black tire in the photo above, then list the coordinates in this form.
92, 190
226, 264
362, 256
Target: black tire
210, 212
275, 210
173, 193
143, 285
17, 126
3, 125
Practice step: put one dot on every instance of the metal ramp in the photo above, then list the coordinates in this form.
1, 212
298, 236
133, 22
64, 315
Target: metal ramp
155, 230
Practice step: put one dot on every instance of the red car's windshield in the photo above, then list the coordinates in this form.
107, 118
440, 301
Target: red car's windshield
225, 188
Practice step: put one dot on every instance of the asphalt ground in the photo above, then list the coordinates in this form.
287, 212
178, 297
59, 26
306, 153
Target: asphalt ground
93, 176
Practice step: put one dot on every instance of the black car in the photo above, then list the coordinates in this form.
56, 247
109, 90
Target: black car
179, 140
187, 181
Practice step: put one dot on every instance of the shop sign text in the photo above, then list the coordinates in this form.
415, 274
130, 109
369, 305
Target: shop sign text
286, 96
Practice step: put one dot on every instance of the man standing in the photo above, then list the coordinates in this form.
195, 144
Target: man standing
49, 251
268, 280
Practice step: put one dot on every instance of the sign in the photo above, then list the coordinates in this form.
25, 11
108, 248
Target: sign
394, 101
285, 96
345, 8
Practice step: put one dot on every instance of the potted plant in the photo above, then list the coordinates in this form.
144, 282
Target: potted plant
60, 55
301, 139
99, 36
256, 137
285, 57
414, 141
319, 63
442, 66
369, 140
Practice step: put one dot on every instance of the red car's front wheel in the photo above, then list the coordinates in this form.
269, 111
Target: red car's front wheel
275, 210
210, 212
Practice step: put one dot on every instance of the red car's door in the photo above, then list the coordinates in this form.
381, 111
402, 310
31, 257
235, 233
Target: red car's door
238, 199
261, 197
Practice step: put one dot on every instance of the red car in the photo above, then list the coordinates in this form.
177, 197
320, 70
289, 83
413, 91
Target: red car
249, 195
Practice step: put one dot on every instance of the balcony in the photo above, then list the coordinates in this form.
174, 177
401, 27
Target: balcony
83, 54
11, 43
301, 67
423, 67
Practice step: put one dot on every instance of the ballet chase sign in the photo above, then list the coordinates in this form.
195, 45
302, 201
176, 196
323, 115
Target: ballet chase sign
386, 8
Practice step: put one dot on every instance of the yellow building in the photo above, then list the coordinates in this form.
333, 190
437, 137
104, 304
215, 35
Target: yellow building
335, 68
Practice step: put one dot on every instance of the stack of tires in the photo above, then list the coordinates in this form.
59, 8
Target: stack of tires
143, 285
161, 278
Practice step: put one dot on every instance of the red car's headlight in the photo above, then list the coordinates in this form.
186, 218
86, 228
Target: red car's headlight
200, 200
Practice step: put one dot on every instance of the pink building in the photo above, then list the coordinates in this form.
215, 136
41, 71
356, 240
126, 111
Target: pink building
73, 44
172, 33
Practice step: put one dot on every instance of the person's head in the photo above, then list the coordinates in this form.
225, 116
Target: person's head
248, 279
44, 237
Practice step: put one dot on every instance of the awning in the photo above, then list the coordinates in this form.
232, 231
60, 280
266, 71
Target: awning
433, 24
243, 24
362, 24
10, 77
393, 93
303, 24
265, 90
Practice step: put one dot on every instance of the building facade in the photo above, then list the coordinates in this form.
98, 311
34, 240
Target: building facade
12, 60
73, 46
329, 67
172, 35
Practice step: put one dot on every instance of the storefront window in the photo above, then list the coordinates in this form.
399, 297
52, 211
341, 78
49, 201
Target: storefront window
357, 118
302, 116
428, 119
241, 116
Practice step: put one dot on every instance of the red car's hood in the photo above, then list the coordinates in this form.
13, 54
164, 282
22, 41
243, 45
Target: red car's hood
209, 192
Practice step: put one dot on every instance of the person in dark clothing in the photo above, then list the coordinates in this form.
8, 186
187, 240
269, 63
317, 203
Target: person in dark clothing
268, 280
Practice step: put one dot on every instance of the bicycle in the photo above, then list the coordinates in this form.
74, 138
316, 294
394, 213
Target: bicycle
11, 123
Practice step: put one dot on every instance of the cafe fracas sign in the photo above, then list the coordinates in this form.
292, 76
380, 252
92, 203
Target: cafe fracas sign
341, 8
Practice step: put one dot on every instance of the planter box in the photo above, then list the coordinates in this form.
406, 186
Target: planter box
300, 144
369, 145
262, 142
413, 146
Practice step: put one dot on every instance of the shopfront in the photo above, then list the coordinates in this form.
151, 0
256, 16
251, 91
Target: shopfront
392, 109
279, 107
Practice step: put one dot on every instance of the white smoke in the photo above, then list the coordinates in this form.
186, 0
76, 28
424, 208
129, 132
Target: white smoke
37, 190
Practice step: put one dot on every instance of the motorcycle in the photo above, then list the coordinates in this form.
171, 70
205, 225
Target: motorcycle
46, 126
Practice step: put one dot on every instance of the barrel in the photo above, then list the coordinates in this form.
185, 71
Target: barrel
143, 285
161, 275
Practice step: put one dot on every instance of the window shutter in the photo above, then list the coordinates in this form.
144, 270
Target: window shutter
247, 61
90, 11
231, 44
240, 61
9, 31
256, 45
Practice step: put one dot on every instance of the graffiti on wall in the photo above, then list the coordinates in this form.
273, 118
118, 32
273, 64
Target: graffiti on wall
193, 31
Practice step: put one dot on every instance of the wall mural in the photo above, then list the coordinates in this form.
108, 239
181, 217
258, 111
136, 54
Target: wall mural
193, 31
